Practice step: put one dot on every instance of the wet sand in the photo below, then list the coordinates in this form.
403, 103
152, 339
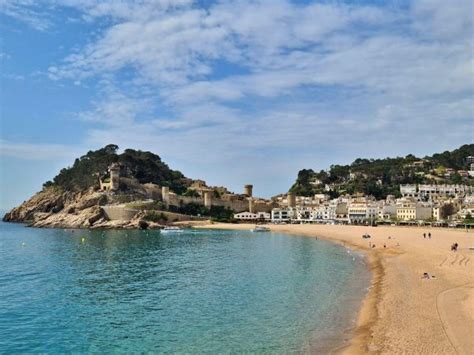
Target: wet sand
404, 313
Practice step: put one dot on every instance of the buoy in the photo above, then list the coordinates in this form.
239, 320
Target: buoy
83, 240
23, 244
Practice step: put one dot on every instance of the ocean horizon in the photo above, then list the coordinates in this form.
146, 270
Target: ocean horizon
200, 291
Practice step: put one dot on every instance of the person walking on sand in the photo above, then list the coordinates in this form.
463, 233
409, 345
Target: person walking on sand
424, 235
429, 235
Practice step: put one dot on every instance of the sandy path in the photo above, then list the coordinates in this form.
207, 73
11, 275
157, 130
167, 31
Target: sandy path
403, 313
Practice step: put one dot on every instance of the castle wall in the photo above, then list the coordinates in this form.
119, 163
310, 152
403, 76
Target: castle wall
118, 213
178, 200
153, 191
235, 205
262, 207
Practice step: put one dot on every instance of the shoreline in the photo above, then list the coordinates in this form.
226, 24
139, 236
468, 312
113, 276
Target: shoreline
401, 313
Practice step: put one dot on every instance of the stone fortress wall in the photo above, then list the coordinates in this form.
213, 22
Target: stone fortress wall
207, 196
119, 213
237, 203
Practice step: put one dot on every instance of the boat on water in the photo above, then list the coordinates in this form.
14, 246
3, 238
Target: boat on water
172, 229
261, 229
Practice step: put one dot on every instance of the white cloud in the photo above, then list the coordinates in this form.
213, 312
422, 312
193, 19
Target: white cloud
444, 20
247, 81
30, 12
116, 109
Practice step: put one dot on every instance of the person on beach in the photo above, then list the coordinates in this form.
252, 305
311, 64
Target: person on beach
429, 235
424, 235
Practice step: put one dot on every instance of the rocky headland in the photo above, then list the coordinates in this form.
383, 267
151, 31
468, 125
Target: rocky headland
54, 208
134, 189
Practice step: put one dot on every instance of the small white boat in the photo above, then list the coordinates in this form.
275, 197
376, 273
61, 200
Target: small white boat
261, 229
172, 229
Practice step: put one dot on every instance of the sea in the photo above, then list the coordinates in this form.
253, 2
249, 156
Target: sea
199, 291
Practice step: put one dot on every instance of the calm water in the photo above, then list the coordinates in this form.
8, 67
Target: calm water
195, 292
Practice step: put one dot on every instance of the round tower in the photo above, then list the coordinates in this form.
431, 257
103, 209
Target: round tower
114, 171
208, 198
291, 199
248, 190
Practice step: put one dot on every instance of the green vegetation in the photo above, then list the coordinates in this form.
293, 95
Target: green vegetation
146, 167
216, 213
191, 193
447, 210
382, 177
153, 216
146, 205
469, 219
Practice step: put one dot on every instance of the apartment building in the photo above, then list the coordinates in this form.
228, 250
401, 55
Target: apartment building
283, 214
411, 212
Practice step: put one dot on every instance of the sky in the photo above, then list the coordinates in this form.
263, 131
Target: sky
231, 91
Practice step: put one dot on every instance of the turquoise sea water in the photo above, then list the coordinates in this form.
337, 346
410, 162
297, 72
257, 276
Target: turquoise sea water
194, 292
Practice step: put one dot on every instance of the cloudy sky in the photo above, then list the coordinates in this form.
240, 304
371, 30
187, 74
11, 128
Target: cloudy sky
232, 92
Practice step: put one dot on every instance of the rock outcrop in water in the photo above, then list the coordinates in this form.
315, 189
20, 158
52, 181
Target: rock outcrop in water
55, 208
76, 196
133, 189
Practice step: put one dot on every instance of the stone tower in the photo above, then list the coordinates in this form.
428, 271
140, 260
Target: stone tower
291, 199
248, 190
165, 195
114, 170
208, 198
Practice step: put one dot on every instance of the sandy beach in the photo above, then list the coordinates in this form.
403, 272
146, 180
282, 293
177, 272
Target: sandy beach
403, 312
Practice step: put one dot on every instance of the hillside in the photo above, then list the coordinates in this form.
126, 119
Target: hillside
73, 198
382, 177
146, 167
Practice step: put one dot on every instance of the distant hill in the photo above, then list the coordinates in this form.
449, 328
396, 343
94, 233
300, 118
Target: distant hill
146, 167
382, 177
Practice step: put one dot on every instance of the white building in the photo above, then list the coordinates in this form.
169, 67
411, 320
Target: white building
321, 213
249, 216
436, 213
283, 214
246, 216
303, 213
359, 212
408, 190
432, 191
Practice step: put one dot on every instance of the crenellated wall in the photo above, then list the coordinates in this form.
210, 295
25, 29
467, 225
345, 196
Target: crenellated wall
235, 205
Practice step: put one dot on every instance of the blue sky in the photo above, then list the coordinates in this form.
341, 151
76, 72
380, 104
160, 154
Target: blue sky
232, 92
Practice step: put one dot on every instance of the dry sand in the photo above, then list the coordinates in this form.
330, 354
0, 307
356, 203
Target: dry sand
403, 313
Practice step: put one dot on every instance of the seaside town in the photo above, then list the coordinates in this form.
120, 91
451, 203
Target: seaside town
123, 197
418, 204
237, 177
441, 205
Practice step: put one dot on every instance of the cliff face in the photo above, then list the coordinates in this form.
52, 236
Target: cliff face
54, 208
48, 200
